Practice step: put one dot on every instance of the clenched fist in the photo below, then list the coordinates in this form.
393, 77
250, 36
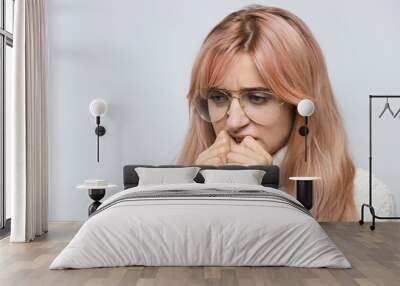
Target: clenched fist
248, 152
216, 153
225, 151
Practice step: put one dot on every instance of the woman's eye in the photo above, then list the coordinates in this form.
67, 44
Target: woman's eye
257, 98
218, 98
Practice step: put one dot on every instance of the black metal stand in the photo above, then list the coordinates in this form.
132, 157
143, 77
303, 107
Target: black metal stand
370, 205
96, 195
100, 131
303, 130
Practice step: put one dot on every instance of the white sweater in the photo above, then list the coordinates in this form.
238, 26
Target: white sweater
382, 198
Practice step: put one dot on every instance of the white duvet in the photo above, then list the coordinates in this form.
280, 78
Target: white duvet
183, 231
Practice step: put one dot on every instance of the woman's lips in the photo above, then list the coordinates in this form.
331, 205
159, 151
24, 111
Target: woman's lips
238, 140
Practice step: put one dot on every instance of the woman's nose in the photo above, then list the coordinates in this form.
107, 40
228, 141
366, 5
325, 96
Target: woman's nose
236, 116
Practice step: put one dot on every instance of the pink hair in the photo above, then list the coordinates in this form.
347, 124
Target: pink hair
290, 61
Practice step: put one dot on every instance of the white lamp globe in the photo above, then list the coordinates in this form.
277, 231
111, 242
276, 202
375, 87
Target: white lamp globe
305, 107
98, 107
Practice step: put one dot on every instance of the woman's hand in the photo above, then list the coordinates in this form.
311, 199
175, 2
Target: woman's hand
248, 152
216, 153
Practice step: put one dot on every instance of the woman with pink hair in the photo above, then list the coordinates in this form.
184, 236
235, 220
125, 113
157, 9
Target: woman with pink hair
252, 70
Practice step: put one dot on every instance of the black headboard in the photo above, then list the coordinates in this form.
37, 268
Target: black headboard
270, 179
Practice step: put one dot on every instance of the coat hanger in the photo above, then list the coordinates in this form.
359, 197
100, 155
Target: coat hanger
397, 113
387, 107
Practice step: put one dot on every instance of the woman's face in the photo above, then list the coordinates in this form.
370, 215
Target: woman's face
274, 131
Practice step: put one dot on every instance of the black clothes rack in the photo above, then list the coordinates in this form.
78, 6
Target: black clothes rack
370, 204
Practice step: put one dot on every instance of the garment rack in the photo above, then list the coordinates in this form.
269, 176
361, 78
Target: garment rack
370, 204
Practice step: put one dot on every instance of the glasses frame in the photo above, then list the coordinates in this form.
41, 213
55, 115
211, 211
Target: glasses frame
230, 94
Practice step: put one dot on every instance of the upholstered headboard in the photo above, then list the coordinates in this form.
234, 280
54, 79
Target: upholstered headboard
270, 179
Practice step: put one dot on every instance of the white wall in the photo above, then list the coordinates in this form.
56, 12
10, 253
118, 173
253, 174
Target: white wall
137, 55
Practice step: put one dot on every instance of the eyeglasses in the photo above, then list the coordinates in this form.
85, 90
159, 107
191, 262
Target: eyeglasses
259, 104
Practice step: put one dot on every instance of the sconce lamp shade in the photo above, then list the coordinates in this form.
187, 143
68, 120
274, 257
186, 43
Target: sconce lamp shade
98, 107
305, 107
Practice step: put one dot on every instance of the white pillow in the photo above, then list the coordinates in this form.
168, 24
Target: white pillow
249, 177
161, 176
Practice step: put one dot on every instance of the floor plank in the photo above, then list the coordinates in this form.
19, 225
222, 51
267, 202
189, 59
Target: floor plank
374, 255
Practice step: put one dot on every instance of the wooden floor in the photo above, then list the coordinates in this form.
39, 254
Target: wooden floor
374, 255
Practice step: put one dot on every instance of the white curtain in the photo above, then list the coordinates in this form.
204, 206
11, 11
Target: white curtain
27, 123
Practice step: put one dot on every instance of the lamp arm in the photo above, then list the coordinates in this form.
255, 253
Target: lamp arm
98, 124
305, 137
303, 130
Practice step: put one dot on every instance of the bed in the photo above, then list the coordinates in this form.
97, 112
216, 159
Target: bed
201, 224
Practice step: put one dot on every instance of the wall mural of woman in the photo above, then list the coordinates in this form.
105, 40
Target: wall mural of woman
252, 70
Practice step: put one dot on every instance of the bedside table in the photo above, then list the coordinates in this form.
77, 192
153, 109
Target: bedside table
304, 190
96, 193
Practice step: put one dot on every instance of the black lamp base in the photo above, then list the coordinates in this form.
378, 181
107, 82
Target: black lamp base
100, 130
96, 195
303, 130
304, 193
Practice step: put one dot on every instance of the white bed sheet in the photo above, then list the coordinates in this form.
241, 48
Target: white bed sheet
200, 231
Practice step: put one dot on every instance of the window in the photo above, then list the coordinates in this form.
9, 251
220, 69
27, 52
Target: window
6, 44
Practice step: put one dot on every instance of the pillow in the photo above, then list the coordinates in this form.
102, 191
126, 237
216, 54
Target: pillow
249, 177
160, 176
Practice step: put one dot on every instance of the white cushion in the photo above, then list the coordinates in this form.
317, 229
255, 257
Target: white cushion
249, 177
161, 176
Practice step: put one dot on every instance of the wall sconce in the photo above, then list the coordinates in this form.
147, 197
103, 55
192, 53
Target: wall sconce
304, 185
305, 108
97, 108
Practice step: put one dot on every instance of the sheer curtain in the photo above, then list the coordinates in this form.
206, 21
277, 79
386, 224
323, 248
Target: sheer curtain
27, 123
